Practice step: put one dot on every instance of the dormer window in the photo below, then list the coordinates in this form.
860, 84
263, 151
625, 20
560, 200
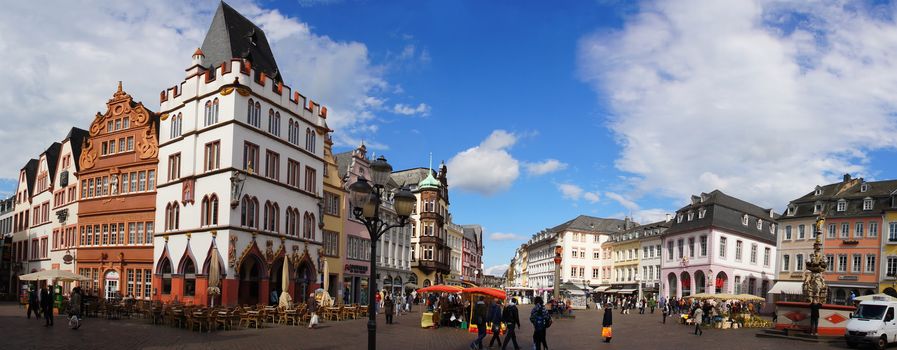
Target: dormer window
702, 212
893, 201
772, 228
817, 207
679, 218
691, 215
867, 203
842, 205
744, 220
864, 187
759, 224
818, 191
792, 209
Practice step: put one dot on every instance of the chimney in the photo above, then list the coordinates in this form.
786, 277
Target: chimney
846, 177
771, 214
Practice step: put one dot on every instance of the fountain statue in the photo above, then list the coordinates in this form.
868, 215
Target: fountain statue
814, 287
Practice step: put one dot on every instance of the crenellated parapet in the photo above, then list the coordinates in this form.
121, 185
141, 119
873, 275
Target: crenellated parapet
238, 75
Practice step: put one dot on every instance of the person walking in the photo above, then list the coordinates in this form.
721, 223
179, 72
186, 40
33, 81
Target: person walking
606, 325
814, 317
313, 310
541, 320
389, 309
75, 305
33, 303
46, 303
511, 318
495, 319
698, 317
479, 319
665, 310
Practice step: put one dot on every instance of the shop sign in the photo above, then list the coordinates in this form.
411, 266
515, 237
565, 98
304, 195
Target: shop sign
848, 278
357, 269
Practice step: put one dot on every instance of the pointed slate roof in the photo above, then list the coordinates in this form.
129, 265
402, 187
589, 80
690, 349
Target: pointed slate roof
76, 138
233, 36
52, 154
30, 173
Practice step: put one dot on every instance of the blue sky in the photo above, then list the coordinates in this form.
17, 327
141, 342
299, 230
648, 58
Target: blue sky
543, 110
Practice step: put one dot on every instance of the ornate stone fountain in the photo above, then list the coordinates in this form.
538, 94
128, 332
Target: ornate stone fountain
815, 289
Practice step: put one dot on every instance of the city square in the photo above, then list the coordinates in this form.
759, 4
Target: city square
299, 174
630, 331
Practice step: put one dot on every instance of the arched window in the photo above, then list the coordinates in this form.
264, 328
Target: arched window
214, 111
172, 216
290, 131
208, 113
307, 138
258, 115
272, 217
209, 210
308, 223
250, 111
249, 212
189, 272
274, 122
165, 271
175, 125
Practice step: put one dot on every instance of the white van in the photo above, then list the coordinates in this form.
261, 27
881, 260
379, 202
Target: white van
872, 323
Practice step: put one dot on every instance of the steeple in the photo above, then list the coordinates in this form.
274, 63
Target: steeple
233, 36
429, 182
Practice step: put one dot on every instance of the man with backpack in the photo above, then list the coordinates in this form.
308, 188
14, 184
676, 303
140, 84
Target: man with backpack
479, 319
511, 319
541, 320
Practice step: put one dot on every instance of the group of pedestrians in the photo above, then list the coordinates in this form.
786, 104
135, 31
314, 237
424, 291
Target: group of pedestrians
41, 303
495, 315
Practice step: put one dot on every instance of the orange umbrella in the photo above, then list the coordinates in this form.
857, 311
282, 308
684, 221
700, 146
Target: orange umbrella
492, 292
440, 288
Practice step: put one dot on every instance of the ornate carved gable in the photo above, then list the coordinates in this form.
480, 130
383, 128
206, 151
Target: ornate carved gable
122, 105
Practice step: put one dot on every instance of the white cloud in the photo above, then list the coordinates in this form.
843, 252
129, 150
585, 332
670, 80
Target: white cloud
488, 168
496, 270
764, 106
570, 191
591, 197
574, 192
625, 202
646, 216
499, 236
69, 57
544, 167
403, 109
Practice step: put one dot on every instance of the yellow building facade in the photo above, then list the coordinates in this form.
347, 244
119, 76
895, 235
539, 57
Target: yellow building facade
334, 208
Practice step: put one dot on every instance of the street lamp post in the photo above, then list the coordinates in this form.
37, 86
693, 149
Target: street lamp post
366, 200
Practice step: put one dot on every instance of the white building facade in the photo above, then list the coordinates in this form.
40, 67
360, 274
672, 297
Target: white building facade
239, 174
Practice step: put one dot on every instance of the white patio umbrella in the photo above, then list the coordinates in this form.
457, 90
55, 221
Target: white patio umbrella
285, 299
214, 276
57, 275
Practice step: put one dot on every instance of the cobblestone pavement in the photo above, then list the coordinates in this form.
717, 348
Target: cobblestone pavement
630, 332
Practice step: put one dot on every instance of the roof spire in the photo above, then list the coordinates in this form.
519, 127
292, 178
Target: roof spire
431, 161
119, 86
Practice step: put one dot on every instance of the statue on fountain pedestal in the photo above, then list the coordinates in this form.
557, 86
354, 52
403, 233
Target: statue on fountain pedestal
814, 286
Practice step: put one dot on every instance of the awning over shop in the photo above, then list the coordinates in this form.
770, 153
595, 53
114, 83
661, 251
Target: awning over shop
787, 287
611, 290
600, 289
626, 291
575, 291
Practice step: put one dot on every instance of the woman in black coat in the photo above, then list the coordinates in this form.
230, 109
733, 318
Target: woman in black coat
607, 322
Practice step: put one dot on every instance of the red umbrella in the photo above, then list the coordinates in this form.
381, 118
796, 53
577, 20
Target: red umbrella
492, 292
440, 288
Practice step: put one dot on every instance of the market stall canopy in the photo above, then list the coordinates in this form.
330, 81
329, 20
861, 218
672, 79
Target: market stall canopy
440, 288
492, 292
884, 297
626, 291
601, 289
787, 287
611, 291
747, 297
701, 296
58, 275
